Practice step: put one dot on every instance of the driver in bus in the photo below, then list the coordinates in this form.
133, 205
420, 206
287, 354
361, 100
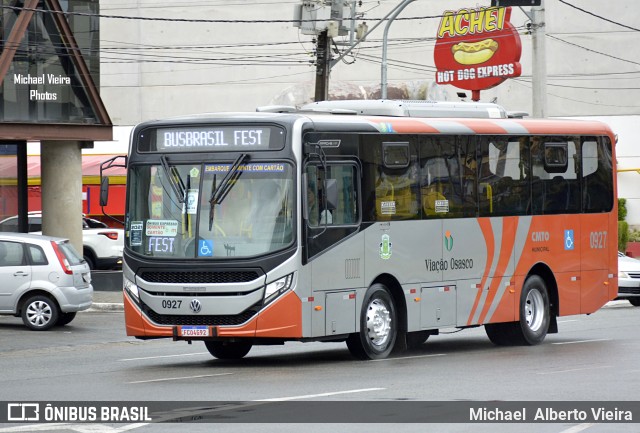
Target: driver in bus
325, 216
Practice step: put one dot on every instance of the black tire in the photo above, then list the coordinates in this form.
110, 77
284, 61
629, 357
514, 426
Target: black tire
40, 313
228, 350
417, 339
635, 301
65, 318
535, 318
378, 325
90, 261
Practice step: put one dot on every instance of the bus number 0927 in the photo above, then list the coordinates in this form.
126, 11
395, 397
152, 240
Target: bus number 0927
598, 240
172, 304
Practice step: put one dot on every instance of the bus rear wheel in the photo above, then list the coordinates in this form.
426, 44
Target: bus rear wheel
228, 350
378, 325
534, 321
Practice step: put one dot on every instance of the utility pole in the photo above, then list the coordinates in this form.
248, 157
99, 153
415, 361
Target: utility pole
323, 66
539, 61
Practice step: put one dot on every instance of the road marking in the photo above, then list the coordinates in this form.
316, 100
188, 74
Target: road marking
326, 394
578, 428
162, 356
80, 428
583, 341
574, 369
408, 357
180, 378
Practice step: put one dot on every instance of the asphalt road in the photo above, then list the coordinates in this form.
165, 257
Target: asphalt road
593, 358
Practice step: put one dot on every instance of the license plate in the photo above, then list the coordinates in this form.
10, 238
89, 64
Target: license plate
194, 331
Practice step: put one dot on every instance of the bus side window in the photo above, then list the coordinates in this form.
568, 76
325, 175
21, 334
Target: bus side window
560, 187
389, 177
488, 188
597, 182
442, 185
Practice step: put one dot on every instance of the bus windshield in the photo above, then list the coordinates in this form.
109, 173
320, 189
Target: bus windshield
204, 211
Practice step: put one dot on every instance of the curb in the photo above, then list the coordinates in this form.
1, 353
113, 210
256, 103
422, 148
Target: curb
105, 306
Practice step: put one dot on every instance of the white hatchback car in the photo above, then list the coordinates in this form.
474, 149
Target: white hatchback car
101, 245
44, 280
629, 279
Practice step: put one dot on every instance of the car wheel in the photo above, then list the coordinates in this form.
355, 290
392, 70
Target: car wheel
378, 325
227, 350
635, 301
65, 318
89, 261
40, 313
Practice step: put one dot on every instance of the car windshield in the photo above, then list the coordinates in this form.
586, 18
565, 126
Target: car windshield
204, 211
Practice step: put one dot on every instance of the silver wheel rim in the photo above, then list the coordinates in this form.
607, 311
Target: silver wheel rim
534, 309
39, 313
378, 322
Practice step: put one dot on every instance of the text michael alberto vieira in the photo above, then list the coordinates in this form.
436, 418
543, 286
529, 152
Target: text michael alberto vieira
550, 414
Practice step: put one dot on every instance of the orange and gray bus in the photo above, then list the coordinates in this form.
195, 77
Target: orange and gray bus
376, 223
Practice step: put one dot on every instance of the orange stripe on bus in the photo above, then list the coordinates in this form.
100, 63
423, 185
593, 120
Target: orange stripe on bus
409, 126
549, 127
483, 127
487, 232
509, 227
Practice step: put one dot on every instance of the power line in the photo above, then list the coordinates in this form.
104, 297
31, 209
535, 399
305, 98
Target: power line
524, 83
194, 20
593, 51
599, 16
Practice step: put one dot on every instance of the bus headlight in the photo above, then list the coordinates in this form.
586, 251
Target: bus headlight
131, 287
277, 288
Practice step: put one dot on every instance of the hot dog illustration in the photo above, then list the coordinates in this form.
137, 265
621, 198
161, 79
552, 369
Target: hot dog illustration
474, 53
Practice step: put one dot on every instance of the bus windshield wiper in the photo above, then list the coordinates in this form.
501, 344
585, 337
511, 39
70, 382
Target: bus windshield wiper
220, 193
174, 179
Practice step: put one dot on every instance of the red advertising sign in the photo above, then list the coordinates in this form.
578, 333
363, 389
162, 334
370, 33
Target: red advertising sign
477, 49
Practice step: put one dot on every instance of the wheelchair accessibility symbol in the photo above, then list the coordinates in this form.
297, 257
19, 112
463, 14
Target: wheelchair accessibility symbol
568, 240
205, 248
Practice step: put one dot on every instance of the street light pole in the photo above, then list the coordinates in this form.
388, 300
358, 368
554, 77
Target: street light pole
383, 65
539, 60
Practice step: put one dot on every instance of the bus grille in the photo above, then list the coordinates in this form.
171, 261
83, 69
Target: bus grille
189, 277
168, 319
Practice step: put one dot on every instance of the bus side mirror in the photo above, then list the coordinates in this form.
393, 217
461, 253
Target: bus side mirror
331, 193
104, 191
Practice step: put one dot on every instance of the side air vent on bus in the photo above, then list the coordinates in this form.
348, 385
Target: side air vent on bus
192, 277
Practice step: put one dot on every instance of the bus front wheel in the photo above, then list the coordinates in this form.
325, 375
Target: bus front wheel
227, 350
378, 325
534, 321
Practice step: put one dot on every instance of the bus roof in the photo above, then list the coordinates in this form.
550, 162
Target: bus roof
400, 108
435, 117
